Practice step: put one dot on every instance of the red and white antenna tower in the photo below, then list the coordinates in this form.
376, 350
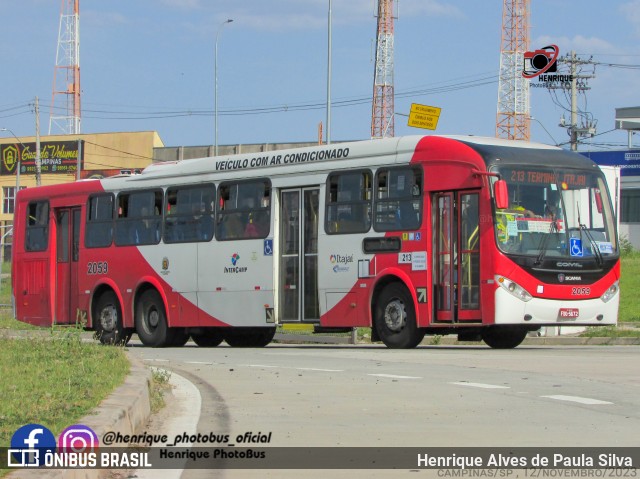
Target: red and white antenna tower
65, 101
382, 115
513, 119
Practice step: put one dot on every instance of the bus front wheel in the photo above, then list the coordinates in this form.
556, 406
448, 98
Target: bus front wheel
151, 320
504, 337
108, 321
395, 318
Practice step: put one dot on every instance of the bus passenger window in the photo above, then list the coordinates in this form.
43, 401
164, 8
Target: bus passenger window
398, 199
139, 218
37, 233
348, 208
243, 210
189, 216
99, 227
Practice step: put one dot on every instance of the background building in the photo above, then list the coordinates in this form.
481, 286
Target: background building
64, 159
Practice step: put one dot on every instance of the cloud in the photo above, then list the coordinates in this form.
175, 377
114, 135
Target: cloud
580, 44
432, 8
183, 4
102, 19
631, 11
312, 14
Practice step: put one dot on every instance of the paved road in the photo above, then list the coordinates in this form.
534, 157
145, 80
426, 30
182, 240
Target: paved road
432, 396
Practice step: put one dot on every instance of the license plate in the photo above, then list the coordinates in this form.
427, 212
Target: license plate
569, 312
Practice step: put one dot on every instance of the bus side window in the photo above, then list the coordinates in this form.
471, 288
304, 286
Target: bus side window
398, 199
348, 208
37, 233
139, 218
244, 210
189, 214
99, 228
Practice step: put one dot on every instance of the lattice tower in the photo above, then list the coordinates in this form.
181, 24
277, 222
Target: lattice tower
382, 116
65, 99
513, 119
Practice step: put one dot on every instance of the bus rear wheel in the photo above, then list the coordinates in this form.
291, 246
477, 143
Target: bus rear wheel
108, 320
249, 337
504, 337
395, 318
208, 338
151, 320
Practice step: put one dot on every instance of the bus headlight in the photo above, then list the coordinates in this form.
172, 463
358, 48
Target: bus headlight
513, 288
610, 293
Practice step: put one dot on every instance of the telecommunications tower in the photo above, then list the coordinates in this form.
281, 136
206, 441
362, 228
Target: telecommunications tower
64, 116
382, 115
513, 119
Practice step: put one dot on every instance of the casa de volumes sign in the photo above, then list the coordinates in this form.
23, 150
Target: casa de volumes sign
55, 157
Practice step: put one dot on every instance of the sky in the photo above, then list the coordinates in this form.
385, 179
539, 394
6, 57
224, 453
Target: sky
149, 65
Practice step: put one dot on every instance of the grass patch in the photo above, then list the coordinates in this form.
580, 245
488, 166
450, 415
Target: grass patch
54, 381
610, 332
629, 287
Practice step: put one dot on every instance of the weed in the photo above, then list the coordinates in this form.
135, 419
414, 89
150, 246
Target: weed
159, 386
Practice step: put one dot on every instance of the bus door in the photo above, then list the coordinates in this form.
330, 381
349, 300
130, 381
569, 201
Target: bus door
457, 256
67, 252
298, 255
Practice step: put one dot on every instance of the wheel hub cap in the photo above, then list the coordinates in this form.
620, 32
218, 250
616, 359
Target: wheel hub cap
395, 315
108, 318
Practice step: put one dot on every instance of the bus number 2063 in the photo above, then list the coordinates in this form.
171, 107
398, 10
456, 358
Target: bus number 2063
97, 267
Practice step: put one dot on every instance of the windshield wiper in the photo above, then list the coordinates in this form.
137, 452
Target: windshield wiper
543, 243
594, 246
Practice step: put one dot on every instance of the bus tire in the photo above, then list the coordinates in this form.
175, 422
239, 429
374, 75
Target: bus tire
180, 337
151, 320
208, 338
504, 337
108, 321
395, 318
249, 337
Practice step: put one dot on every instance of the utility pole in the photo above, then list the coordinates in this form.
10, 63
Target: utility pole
577, 83
38, 162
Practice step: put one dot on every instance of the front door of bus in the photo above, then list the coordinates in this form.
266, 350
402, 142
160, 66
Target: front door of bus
298, 261
67, 251
457, 256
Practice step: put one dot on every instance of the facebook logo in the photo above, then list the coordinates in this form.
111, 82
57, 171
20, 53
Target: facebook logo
29, 445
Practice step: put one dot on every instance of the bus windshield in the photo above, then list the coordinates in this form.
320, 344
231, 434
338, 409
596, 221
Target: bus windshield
556, 212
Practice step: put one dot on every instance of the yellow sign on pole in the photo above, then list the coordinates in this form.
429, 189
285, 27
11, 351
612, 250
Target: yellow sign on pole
423, 116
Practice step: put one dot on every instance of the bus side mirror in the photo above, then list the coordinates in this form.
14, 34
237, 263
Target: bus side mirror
501, 194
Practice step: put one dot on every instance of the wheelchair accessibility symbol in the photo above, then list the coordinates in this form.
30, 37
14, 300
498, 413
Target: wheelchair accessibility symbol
268, 247
575, 245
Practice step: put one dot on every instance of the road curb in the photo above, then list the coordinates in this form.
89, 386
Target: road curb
125, 410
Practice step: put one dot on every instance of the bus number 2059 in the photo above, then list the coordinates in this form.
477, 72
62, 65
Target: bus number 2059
97, 267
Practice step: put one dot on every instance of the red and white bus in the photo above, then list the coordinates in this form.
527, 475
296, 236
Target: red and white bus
479, 237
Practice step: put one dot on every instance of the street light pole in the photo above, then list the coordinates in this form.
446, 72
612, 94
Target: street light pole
215, 68
329, 76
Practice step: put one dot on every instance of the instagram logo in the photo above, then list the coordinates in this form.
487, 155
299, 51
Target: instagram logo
78, 438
